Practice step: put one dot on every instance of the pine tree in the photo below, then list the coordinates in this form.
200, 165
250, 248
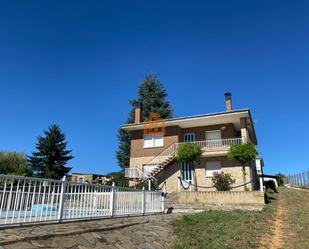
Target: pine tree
152, 97
51, 156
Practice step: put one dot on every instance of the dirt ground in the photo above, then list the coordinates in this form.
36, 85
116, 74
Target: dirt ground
289, 226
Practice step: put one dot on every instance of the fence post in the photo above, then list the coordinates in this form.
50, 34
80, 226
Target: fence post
61, 200
112, 200
261, 184
149, 184
95, 199
143, 201
302, 179
162, 202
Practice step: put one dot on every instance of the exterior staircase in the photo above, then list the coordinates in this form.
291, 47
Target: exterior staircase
161, 161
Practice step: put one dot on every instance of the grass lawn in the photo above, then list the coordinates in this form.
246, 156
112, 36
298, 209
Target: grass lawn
245, 229
296, 229
222, 229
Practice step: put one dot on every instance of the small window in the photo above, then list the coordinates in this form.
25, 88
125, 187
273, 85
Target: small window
212, 167
189, 137
81, 179
153, 141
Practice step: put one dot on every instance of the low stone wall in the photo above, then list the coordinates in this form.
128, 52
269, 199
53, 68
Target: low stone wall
181, 201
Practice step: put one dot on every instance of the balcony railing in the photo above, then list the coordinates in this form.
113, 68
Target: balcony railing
219, 144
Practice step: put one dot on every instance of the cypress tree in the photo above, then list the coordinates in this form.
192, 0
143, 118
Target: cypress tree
152, 97
51, 156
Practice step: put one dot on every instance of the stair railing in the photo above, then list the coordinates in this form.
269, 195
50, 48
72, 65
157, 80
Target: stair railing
161, 157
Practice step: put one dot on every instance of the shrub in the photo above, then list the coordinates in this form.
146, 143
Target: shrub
222, 181
118, 178
270, 191
242, 153
270, 186
281, 179
188, 152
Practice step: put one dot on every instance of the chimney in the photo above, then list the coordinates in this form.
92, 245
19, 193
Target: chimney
137, 113
228, 102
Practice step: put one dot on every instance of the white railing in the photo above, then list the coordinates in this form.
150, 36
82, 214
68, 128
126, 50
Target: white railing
219, 144
27, 199
134, 172
137, 173
300, 179
170, 152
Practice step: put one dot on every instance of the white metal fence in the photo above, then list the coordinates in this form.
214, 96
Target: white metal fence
28, 199
300, 179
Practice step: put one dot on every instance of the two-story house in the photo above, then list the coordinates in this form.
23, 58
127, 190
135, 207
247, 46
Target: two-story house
153, 156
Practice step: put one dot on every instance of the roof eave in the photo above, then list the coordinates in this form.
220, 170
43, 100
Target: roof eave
134, 126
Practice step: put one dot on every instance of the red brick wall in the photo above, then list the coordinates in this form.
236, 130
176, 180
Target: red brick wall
137, 143
227, 131
175, 134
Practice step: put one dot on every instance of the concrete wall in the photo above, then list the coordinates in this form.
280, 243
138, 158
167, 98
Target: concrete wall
216, 199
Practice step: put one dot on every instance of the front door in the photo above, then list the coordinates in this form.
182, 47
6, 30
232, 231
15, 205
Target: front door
186, 174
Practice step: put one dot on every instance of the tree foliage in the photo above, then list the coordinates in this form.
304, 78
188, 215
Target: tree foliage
242, 153
222, 181
118, 178
281, 179
51, 156
14, 163
152, 97
188, 152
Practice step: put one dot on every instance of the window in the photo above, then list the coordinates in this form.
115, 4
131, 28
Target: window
189, 137
212, 167
153, 141
186, 172
213, 135
81, 179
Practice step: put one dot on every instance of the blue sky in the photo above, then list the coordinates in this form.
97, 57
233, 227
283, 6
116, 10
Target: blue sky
76, 63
